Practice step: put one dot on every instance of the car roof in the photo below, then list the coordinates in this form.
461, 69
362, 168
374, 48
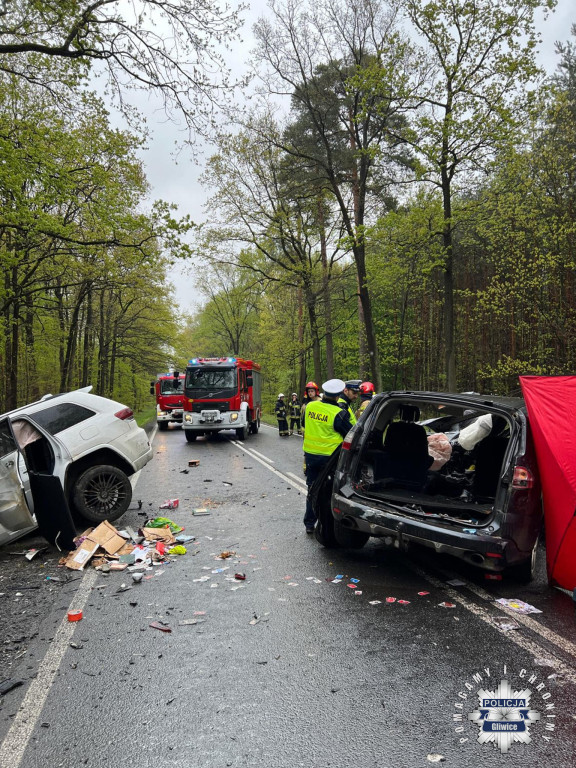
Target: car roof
81, 396
472, 399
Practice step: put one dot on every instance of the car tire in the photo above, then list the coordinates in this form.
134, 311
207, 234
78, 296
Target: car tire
162, 426
324, 530
190, 436
102, 493
348, 537
242, 433
525, 572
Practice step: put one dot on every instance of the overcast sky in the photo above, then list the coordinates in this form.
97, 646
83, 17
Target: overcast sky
176, 179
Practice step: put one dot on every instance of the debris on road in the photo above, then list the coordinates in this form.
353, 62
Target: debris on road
447, 605
517, 605
506, 625
75, 615
435, 758
160, 626
9, 685
169, 504
194, 463
29, 554
200, 512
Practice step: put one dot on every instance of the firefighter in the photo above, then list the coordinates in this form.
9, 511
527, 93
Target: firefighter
294, 409
350, 393
366, 394
312, 394
281, 415
326, 425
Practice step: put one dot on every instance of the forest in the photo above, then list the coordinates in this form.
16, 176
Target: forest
395, 202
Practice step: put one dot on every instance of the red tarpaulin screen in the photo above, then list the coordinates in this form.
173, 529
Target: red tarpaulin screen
551, 403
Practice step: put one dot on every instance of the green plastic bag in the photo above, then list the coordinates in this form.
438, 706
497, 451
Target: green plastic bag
162, 522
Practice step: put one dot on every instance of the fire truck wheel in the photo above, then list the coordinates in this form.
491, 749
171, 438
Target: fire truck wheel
162, 426
102, 493
190, 436
255, 426
242, 433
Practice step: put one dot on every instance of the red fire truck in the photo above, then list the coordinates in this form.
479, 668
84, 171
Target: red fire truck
169, 391
222, 393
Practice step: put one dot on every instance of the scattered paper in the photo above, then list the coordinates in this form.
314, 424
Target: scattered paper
518, 605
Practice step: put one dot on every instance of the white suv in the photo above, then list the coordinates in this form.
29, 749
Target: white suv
92, 445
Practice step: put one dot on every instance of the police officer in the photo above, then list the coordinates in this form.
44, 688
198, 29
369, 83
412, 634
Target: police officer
366, 394
350, 393
326, 424
281, 415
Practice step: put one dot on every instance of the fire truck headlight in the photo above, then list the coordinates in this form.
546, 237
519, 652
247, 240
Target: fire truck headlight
233, 417
188, 417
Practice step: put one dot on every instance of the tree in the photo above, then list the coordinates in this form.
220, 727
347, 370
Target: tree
479, 63
315, 53
168, 46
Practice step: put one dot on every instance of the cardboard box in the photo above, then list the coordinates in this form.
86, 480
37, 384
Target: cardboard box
104, 536
159, 534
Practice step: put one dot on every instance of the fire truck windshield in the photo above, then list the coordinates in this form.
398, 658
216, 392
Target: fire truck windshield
210, 379
171, 387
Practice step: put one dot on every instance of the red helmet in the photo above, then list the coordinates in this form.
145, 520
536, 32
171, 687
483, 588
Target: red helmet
367, 388
312, 385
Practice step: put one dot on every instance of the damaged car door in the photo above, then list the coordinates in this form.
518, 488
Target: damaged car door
45, 459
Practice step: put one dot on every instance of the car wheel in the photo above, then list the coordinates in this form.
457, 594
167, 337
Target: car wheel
102, 493
324, 530
348, 537
162, 426
242, 433
524, 572
190, 436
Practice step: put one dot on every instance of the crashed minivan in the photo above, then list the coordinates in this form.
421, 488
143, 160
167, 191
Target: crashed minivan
453, 472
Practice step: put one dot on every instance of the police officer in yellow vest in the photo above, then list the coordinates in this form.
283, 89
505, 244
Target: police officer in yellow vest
349, 395
325, 426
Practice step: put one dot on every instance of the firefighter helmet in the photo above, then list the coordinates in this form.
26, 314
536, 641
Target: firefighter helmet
312, 385
367, 388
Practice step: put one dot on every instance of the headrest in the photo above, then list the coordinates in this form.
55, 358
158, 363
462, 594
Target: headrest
409, 412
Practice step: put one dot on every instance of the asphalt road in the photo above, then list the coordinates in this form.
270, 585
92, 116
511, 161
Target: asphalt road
286, 668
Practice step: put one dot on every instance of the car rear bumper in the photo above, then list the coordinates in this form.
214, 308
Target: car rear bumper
492, 553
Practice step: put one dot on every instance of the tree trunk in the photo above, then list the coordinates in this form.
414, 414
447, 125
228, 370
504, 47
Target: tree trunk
326, 294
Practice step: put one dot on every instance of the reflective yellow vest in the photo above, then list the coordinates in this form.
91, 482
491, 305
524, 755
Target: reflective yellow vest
349, 409
320, 437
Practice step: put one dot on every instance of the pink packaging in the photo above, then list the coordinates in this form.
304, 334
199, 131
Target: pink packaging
169, 504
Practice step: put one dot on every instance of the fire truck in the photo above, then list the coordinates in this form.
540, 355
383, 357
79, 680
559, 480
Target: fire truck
222, 393
169, 391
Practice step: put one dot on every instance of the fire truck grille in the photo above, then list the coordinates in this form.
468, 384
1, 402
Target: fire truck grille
210, 406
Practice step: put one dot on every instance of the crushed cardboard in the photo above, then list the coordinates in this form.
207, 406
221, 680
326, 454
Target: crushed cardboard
104, 536
159, 534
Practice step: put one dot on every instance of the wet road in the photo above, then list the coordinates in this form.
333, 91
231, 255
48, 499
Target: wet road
286, 668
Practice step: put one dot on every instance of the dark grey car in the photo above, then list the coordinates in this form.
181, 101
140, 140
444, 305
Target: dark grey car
480, 501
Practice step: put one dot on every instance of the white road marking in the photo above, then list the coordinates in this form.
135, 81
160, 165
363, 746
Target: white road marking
538, 651
270, 461
14, 745
548, 634
300, 486
298, 479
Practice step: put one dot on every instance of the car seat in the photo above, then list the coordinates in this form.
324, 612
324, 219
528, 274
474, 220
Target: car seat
404, 460
488, 458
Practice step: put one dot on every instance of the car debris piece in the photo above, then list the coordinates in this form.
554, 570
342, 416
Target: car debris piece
161, 627
423, 593
194, 463
226, 554
506, 625
240, 576
447, 605
9, 685
375, 602
137, 577
200, 512
403, 602
190, 622
390, 599
435, 758
75, 615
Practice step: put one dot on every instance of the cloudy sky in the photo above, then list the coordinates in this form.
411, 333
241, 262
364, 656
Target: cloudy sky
175, 179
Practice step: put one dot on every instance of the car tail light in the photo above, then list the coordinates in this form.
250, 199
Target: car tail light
523, 478
125, 413
494, 554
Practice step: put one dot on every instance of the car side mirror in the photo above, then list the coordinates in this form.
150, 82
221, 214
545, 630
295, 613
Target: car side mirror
152, 390
249, 381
